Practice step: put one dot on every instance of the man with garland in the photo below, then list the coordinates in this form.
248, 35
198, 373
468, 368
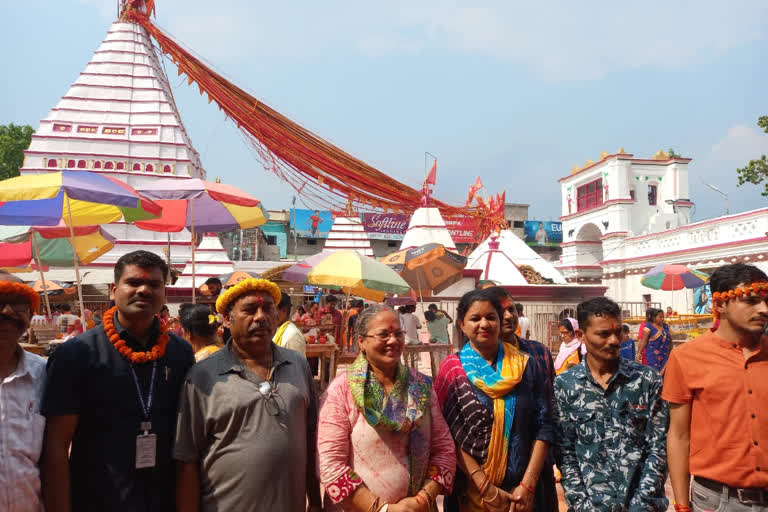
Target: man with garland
22, 378
717, 386
247, 426
113, 394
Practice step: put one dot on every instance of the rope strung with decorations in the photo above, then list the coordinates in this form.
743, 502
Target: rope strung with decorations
719, 298
310, 164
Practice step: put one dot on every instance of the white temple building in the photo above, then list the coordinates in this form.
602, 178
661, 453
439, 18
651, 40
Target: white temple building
348, 234
499, 258
211, 260
624, 215
427, 226
119, 118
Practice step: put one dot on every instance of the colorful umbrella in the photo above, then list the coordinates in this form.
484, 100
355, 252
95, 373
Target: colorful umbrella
350, 272
673, 277
80, 198
58, 245
232, 278
428, 269
201, 205
44, 286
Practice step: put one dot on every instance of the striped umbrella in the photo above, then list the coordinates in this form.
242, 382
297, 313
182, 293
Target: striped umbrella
350, 272
673, 277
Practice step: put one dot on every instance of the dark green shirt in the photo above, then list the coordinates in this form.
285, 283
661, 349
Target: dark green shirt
611, 443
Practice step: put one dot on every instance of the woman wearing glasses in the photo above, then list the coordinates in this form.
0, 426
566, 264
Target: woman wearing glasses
382, 441
497, 404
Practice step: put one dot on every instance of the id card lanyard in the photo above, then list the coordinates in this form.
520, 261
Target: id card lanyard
146, 443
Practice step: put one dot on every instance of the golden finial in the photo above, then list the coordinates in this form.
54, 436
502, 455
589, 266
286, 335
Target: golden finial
575, 169
661, 155
603, 155
589, 162
621, 151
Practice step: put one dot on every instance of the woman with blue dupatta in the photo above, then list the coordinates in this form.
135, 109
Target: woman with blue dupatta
496, 403
655, 342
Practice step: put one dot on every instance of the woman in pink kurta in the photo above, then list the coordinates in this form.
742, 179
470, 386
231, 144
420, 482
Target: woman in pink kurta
383, 443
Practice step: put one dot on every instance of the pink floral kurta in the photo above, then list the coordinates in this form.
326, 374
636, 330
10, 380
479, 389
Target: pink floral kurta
351, 452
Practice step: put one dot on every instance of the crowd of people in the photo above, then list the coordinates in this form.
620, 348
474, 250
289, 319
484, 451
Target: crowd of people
130, 416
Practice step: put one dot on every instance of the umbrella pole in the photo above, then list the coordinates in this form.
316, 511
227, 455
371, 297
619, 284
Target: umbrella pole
345, 327
77, 266
42, 276
192, 225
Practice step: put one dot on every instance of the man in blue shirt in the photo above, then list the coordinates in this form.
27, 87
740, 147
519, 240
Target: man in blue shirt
610, 422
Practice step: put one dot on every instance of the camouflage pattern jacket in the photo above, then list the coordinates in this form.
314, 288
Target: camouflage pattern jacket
611, 443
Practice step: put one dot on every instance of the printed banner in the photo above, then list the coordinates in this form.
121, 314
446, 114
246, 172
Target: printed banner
311, 223
463, 229
385, 226
702, 300
543, 233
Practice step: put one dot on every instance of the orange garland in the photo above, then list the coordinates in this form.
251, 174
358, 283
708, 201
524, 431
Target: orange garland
719, 298
135, 357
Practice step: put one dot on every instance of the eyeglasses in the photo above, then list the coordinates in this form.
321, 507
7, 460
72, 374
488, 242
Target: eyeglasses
385, 335
270, 400
18, 307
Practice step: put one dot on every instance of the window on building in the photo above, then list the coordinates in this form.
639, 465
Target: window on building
70, 164
167, 169
311, 241
52, 163
391, 243
652, 195
97, 164
590, 195
81, 164
271, 240
109, 165
150, 168
632, 193
137, 167
518, 224
120, 166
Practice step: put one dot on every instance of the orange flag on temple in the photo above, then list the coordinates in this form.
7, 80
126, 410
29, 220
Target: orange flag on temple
473, 189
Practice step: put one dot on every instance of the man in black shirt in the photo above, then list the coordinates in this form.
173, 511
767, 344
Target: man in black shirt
112, 393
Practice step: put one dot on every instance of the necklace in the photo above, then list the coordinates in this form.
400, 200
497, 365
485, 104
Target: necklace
135, 357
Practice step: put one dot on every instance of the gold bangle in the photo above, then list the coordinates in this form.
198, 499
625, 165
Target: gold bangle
492, 499
475, 471
432, 499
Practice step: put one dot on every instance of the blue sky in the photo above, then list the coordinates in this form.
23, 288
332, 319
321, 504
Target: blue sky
516, 93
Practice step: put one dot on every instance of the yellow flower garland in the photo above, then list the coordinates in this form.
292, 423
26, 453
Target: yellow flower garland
247, 286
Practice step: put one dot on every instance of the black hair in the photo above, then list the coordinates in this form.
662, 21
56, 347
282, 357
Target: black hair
729, 277
567, 325
499, 292
196, 318
625, 327
519, 308
184, 306
429, 316
473, 296
433, 305
331, 298
66, 307
301, 308
164, 308
651, 314
143, 259
599, 306
285, 302
213, 280
357, 303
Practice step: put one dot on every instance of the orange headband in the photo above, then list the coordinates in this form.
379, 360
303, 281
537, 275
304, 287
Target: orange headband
14, 288
719, 298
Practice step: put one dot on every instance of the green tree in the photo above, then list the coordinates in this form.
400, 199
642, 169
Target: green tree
756, 171
673, 154
13, 141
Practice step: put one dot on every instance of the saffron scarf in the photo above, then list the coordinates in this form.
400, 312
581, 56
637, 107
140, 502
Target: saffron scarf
402, 410
499, 384
277, 339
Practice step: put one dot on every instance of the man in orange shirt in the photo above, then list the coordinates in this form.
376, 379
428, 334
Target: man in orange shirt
717, 386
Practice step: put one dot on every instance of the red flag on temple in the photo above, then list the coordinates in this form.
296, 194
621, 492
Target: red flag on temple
432, 176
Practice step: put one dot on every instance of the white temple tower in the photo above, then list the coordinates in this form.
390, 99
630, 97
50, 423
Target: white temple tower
427, 227
211, 260
348, 234
120, 118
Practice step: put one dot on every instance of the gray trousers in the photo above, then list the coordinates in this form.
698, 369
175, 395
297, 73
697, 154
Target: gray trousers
706, 500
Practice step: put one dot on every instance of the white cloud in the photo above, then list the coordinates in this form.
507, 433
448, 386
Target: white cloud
741, 144
559, 40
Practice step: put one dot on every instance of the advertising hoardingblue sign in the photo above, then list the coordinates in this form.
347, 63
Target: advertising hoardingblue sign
543, 232
311, 223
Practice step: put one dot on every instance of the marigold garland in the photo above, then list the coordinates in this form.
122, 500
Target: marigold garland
247, 286
719, 298
26, 291
135, 357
